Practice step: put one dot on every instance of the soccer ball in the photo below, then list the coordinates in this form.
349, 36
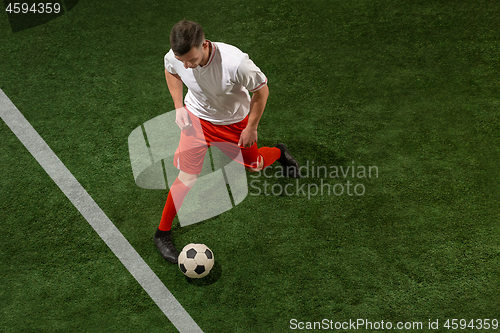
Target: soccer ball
196, 260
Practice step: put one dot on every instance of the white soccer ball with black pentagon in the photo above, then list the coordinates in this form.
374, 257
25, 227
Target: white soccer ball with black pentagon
196, 260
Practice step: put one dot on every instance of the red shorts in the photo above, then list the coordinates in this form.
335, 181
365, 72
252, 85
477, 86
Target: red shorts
195, 141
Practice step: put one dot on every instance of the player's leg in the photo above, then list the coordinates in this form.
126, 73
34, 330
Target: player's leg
188, 159
163, 236
226, 137
255, 159
175, 198
269, 155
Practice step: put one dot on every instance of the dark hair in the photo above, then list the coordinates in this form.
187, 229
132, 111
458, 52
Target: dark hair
185, 35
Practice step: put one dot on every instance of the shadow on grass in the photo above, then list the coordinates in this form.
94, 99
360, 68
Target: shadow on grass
320, 153
211, 278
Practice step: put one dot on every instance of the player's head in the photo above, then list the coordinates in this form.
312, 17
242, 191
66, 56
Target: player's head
184, 36
188, 43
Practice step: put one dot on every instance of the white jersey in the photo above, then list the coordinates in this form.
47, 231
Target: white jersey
218, 91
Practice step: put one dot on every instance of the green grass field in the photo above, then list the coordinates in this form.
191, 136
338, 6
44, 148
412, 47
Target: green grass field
409, 87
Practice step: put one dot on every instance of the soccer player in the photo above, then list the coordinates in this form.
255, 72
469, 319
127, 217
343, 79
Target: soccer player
217, 108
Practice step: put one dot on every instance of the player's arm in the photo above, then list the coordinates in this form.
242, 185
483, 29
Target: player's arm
257, 105
175, 86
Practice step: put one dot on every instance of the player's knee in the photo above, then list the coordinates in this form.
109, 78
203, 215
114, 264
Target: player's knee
189, 182
257, 168
187, 179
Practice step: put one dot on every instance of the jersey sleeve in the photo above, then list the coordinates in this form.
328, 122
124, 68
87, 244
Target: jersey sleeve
250, 76
168, 64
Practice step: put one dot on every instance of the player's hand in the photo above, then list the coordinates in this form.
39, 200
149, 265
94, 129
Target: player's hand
182, 118
248, 137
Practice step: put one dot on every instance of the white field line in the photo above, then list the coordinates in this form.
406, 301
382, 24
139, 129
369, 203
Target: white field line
96, 217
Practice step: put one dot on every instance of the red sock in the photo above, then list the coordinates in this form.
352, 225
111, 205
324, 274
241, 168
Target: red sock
176, 195
269, 154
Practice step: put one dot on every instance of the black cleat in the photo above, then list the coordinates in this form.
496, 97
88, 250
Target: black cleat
289, 163
164, 243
